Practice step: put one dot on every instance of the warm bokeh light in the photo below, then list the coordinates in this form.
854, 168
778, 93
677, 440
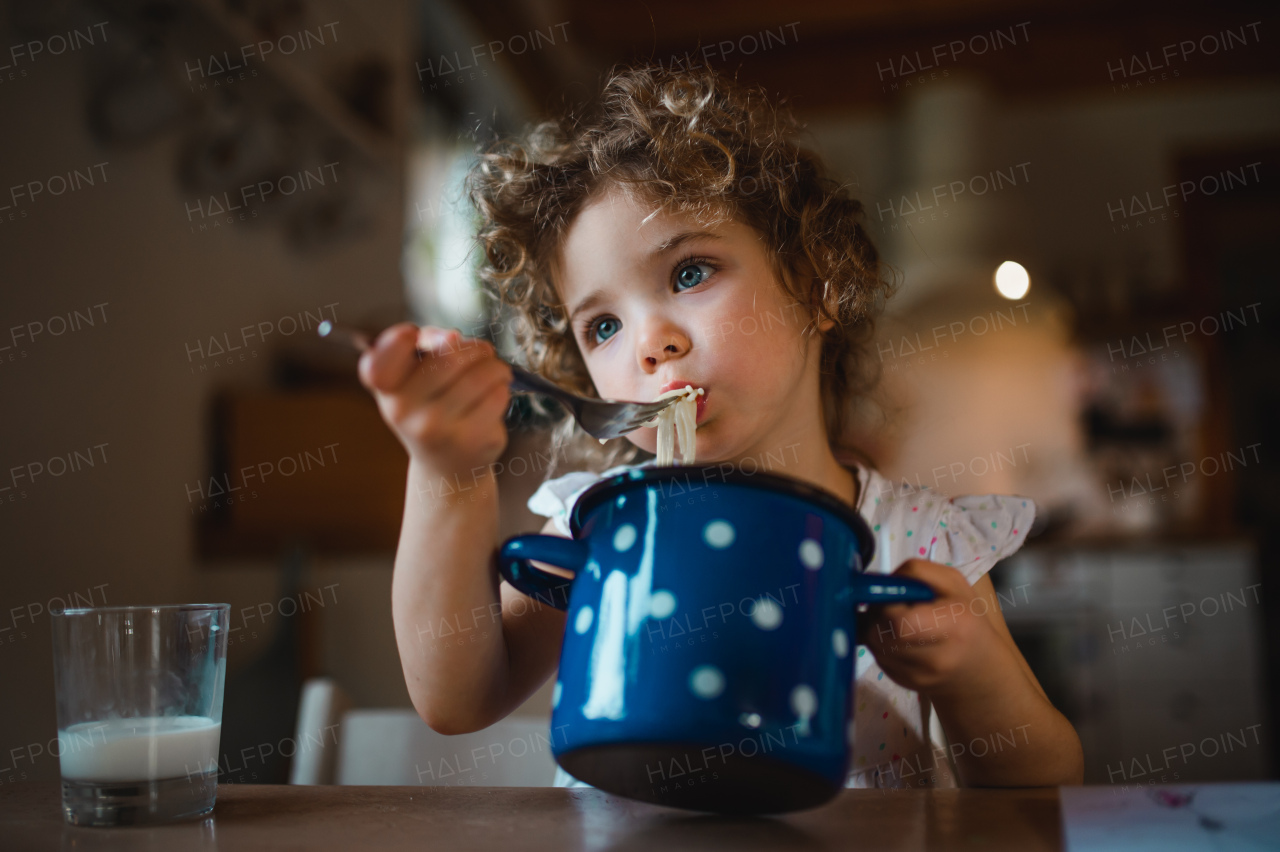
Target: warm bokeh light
1012, 280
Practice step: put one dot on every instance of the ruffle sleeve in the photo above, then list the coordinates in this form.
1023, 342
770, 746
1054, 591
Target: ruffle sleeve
977, 531
555, 497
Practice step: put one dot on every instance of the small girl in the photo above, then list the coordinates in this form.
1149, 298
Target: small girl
674, 235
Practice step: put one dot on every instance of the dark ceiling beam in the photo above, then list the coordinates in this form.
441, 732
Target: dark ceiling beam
836, 54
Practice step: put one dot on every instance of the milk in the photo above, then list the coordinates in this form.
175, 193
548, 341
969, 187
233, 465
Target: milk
139, 749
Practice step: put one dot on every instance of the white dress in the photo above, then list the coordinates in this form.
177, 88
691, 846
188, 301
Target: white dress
898, 741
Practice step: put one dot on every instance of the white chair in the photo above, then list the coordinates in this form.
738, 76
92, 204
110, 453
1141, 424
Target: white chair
315, 747
395, 747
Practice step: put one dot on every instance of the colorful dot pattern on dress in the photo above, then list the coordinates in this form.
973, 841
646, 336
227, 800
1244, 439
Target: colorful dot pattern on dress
960, 532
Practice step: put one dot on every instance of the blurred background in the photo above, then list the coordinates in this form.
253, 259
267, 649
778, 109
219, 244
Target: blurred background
190, 188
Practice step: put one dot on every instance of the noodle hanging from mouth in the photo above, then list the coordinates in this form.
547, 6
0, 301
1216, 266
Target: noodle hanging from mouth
677, 422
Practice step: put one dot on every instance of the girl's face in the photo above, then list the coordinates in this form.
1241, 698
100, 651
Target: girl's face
658, 301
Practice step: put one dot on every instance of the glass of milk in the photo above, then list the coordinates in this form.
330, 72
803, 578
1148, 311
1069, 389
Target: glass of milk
139, 693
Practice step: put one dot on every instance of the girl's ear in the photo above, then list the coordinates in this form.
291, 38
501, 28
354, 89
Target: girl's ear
826, 325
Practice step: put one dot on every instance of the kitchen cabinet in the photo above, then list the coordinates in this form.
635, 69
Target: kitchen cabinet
1154, 652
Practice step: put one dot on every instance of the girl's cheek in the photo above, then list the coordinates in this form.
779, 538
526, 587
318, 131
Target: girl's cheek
602, 367
645, 439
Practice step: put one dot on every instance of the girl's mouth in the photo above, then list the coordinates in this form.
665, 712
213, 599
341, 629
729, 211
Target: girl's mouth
701, 398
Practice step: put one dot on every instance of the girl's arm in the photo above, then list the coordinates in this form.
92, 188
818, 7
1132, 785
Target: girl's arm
960, 654
472, 648
446, 407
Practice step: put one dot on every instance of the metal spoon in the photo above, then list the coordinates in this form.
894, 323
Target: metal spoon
601, 418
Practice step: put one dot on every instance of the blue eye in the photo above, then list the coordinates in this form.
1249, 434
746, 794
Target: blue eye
691, 275
603, 329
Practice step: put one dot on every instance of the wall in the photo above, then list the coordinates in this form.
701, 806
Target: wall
121, 531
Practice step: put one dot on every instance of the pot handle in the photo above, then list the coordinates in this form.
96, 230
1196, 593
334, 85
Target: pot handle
886, 588
514, 565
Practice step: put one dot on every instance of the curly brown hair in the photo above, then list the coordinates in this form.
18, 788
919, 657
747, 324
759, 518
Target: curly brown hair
687, 140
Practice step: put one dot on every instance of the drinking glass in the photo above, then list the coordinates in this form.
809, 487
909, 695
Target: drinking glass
139, 695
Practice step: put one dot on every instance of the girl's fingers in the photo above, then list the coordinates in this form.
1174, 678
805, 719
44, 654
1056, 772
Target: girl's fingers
944, 579
488, 385
451, 369
438, 340
391, 360
484, 421
419, 363
469, 389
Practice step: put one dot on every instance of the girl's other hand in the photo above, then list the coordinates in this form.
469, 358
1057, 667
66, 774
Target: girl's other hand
939, 645
443, 395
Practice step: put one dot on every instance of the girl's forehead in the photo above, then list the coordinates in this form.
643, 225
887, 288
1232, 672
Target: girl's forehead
620, 234
623, 214
634, 229
616, 230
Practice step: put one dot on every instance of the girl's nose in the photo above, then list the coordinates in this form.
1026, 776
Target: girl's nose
660, 342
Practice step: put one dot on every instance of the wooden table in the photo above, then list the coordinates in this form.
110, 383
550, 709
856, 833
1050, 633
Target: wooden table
499, 819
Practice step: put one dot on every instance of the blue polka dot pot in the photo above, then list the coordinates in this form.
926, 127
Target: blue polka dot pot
707, 660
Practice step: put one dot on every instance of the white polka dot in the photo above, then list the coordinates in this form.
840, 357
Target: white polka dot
840, 643
750, 720
706, 681
583, 622
804, 701
811, 554
662, 604
718, 534
766, 615
848, 732
624, 538
555, 694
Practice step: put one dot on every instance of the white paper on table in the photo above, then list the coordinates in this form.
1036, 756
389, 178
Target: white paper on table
1172, 817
